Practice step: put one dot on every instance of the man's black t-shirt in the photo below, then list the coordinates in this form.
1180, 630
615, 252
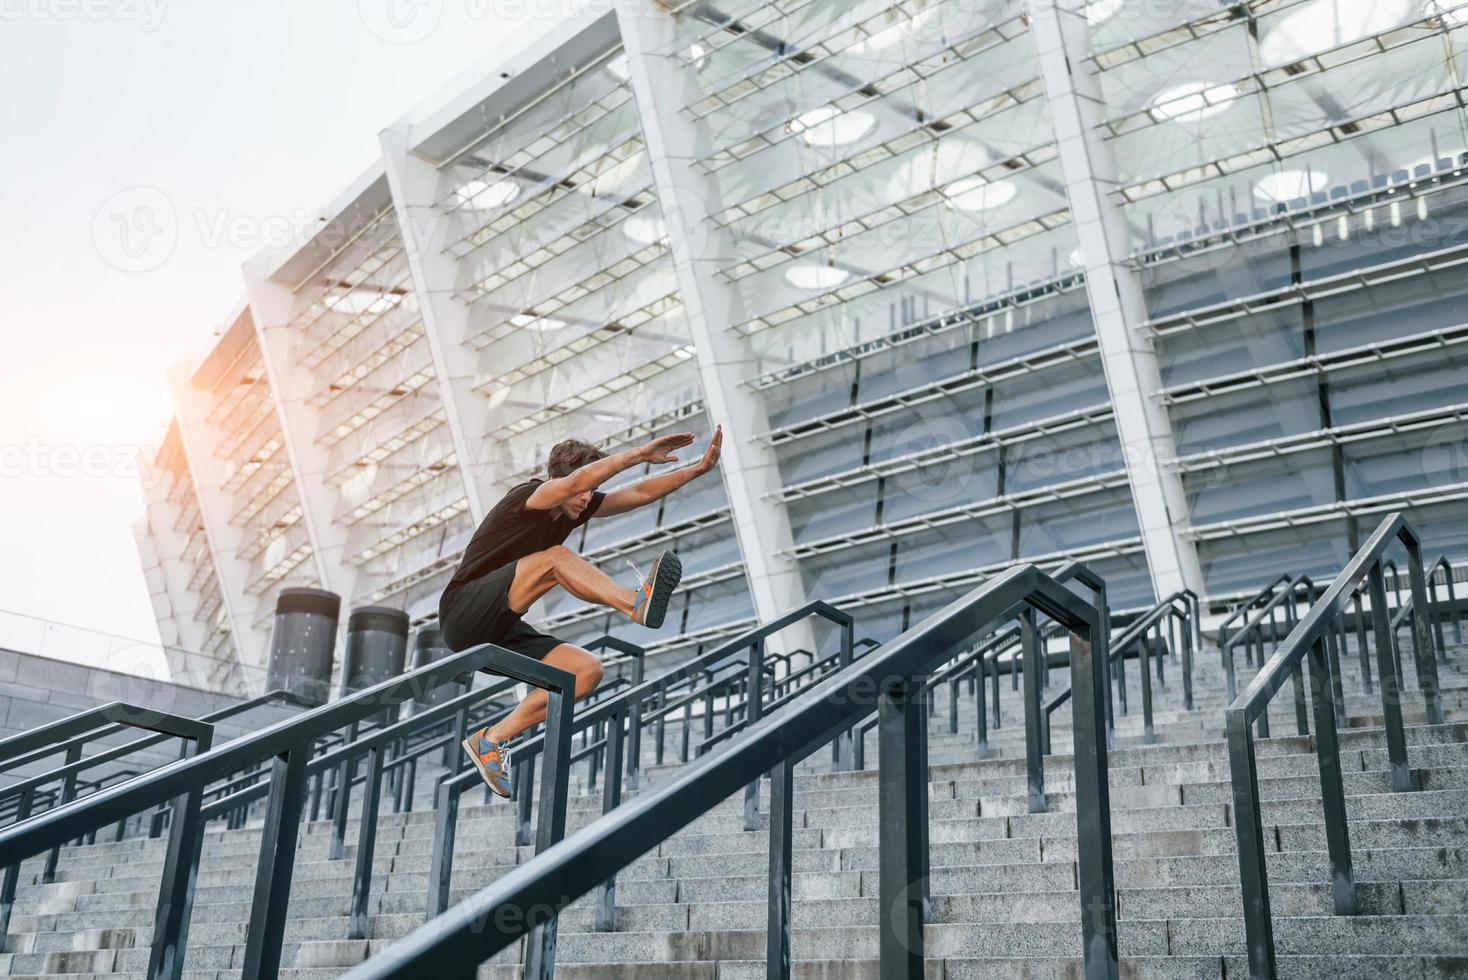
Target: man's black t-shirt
511, 531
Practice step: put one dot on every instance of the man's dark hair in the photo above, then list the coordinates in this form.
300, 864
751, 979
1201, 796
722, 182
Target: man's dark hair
570, 455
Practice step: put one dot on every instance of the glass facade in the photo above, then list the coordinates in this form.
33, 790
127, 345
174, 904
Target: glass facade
895, 236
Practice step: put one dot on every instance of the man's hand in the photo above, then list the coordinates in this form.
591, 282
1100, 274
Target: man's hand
713, 452
660, 450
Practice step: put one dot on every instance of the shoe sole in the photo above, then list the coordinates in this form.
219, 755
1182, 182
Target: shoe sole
483, 773
666, 574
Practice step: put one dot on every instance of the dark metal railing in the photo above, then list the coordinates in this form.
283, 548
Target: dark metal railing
1437, 622
1250, 604
288, 745
1264, 628
888, 682
42, 746
616, 714
1171, 626
174, 897
1311, 641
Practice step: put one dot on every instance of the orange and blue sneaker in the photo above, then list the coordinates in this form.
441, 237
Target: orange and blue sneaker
492, 759
656, 590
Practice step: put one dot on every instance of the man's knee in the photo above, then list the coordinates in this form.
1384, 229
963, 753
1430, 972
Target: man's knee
593, 672
558, 554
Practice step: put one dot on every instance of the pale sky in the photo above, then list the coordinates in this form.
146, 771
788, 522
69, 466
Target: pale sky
245, 116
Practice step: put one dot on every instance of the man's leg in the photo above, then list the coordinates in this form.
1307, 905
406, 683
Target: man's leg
537, 574
531, 711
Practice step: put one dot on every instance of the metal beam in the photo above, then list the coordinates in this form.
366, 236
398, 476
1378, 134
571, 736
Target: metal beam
1118, 306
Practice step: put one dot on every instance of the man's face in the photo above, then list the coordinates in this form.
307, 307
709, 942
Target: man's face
574, 507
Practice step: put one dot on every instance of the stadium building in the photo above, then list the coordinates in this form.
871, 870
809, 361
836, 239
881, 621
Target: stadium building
1094, 393
1177, 293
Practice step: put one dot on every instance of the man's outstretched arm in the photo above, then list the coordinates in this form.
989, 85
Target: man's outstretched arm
553, 493
657, 487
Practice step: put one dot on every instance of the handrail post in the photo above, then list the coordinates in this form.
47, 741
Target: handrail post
523, 780
1302, 711
754, 710
337, 843
903, 832
358, 922
1391, 698
1332, 789
276, 865
441, 865
779, 922
1427, 680
68, 792
844, 760
981, 709
12, 872
1249, 830
1089, 664
1149, 733
1188, 639
176, 886
1362, 647
606, 892
1034, 754
540, 948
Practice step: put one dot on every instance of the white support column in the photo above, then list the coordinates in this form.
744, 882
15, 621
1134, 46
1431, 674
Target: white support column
425, 231
160, 549
1118, 306
700, 248
209, 476
271, 307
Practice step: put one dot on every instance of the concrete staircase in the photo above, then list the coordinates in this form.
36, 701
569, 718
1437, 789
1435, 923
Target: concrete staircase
1003, 881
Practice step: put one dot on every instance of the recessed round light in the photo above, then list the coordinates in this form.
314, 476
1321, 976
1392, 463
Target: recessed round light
810, 276
829, 126
1099, 11
645, 229
1193, 101
1323, 24
1286, 185
893, 29
977, 194
484, 195
540, 324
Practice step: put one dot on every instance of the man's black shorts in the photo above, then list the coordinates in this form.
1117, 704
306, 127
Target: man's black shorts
478, 611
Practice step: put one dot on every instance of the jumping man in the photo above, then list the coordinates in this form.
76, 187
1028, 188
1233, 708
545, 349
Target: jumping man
517, 555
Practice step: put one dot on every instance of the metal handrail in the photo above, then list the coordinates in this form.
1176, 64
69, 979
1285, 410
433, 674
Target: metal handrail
1311, 640
175, 897
614, 713
288, 745
1258, 598
71, 734
1447, 567
1252, 631
887, 682
1133, 643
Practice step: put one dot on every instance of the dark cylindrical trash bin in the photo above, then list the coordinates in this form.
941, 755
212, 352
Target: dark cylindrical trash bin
302, 642
428, 646
377, 647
